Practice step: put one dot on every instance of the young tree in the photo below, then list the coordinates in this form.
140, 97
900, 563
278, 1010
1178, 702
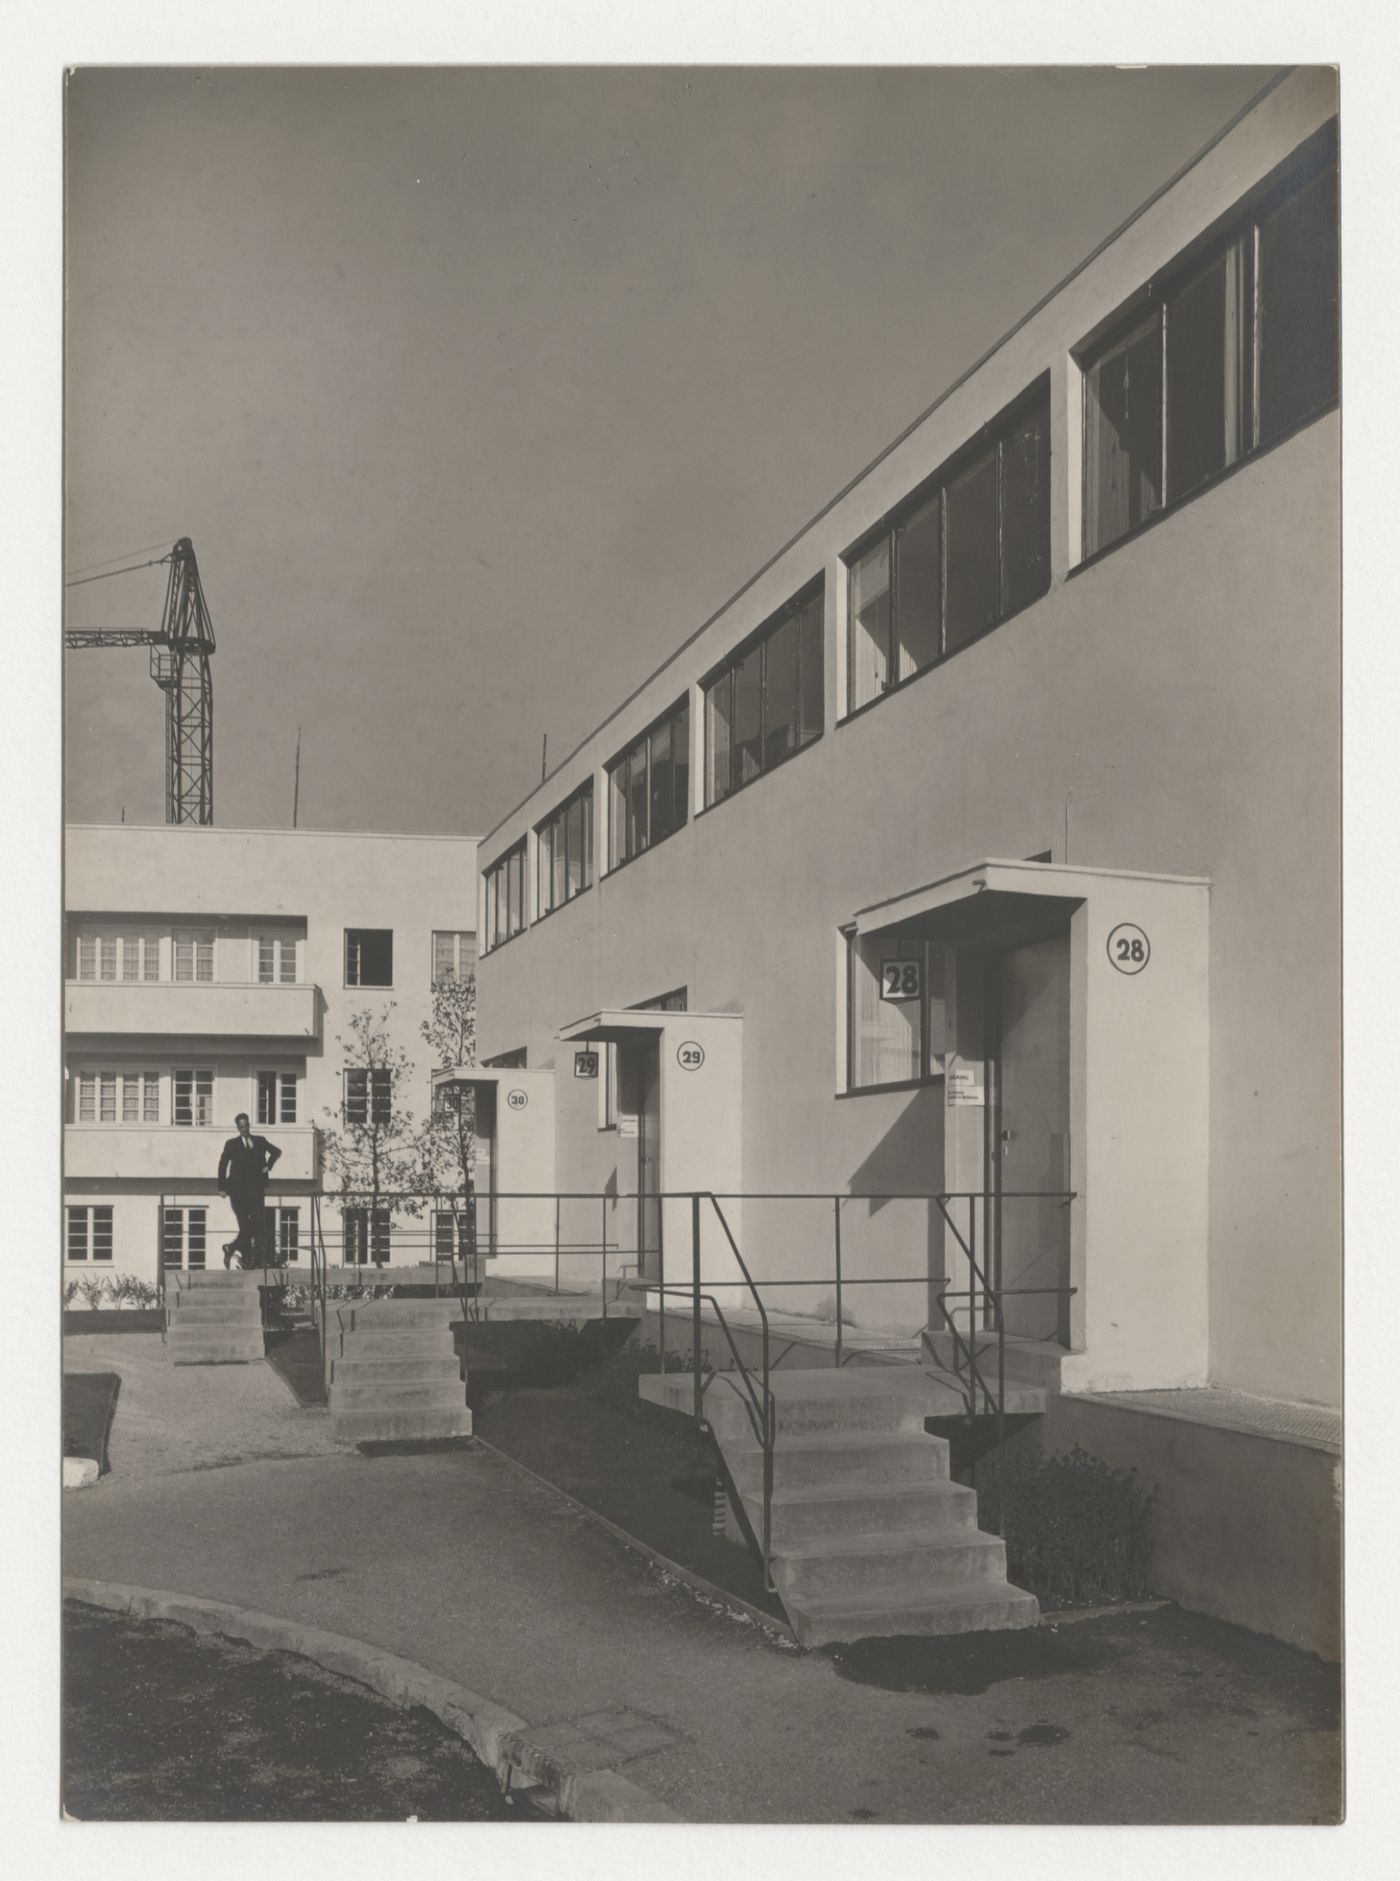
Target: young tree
371, 1146
447, 1144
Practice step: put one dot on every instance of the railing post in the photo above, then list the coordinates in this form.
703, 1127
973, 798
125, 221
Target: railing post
695, 1300
661, 1315
836, 1224
556, 1246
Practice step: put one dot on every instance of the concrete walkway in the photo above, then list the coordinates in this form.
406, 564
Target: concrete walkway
457, 1561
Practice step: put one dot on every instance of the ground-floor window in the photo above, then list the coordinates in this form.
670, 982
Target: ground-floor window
452, 1233
277, 1097
282, 1233
90, 1233
182, 1236
362, 1243
894, 1011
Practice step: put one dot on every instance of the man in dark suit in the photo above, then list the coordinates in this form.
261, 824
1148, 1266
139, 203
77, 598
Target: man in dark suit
243, 1171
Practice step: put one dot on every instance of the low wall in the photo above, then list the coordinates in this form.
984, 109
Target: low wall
1248, 1528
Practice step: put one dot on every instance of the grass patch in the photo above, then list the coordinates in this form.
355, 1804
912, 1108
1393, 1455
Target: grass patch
1077, 1530
89, 1404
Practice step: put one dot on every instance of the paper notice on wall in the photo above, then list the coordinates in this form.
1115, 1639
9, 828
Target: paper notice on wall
626, 1126
964, 1084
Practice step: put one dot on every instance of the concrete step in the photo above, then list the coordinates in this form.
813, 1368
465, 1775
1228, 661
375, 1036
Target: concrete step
389, 1425
223, 1349
843, 1406
214, 1279
376, 1315
565, 1309
395, 1393
845, 1514
353, 1369
404, 1342
1028, 1361
233, 1311
918, 1608
876, 1562
841, 1457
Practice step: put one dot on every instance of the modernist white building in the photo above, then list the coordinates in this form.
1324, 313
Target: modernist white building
209, 971
987, 842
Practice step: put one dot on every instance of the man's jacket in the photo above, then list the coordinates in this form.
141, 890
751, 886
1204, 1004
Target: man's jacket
244, 1166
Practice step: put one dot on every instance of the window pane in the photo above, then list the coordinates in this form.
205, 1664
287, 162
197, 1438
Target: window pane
87, 956
559, 880
1025, 510
661, 783
617, 813
108, 1111
680, 765
443, 963
748, 716
719, 737
1196, 382
635, 817
131, 956
265, 960
1123, 436
150, 1098
77, 1234
287, 1112
869, 637
131, 1100
87, 1100
885, 1034
151, 960
780, 693
204, 958
919, 587
972, 552
194, 1236
109, 956
585, 840
1298, 306
102, 1234
576, 820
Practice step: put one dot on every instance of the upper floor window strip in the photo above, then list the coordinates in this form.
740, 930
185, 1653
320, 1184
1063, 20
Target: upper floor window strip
564, 852
765, 703
649, 787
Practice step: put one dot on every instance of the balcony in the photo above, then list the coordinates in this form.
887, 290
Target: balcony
108, 1152
151, 1009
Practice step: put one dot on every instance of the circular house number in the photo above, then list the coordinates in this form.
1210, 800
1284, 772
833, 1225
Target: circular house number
517, 1099
690, 1056
1129, 948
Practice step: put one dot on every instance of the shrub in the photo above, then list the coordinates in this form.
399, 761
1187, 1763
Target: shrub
93, 1290
614, 1382
1076, 1529
70, 1291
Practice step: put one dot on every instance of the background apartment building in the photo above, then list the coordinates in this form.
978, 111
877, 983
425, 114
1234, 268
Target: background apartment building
209, 971
987, 841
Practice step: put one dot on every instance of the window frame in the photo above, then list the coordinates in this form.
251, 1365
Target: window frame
620, 797
91, 1238
990, 442
278, 1218
378, 1078
198, 1076
359, 984
494, 877
1237, 232
458, 936
87, 1086
116, 941
548, 833
932, 1069
758, 642
370, 1237
198, 939
280, 943
181, 1218
284, 1080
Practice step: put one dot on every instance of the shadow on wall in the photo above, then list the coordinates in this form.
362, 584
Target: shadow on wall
894, 1236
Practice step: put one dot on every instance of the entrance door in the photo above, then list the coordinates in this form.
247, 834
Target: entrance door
648, 1074
1029, 1134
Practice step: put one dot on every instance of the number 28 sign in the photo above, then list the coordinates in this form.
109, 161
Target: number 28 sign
901, 979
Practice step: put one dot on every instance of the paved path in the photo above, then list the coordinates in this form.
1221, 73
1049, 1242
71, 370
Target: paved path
458, 1562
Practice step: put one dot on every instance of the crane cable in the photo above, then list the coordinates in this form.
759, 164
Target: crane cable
82, 580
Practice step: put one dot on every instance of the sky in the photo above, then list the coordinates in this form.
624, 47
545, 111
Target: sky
478, 389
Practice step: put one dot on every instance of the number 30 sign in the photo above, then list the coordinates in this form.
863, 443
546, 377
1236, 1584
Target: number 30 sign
901, 979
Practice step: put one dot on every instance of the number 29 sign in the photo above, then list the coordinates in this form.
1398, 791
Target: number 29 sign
901, 979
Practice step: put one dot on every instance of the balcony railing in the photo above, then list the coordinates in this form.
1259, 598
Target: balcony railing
173, 1153
191, 1009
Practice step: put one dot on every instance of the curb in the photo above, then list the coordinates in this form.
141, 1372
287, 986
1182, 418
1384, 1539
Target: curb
502, 1741
708, 1590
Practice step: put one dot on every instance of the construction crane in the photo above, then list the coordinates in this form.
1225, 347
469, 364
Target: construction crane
180, 649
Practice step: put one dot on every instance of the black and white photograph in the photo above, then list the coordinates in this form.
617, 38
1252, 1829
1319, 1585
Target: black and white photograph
701, 946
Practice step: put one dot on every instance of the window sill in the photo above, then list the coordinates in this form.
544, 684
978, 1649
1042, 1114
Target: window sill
1224, 476
487, 952
651, 848
768, 771
549, 913
878, 1090
945, 659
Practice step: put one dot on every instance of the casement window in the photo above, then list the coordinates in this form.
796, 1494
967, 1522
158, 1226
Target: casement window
129, 1097
369, 1095
895, 1011
505, 896
89, 1235
128, 955
765, 703
276, 956
193, 1096
193, 954
277, 1097
649, 787
452, 1233
1230, 350
970, 549
369, 956
361, 1242
506, 1061
183, 1236
454, 955
282, 1234
564, 852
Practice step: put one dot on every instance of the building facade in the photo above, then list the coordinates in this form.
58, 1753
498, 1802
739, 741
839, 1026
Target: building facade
212, 971
986, 844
